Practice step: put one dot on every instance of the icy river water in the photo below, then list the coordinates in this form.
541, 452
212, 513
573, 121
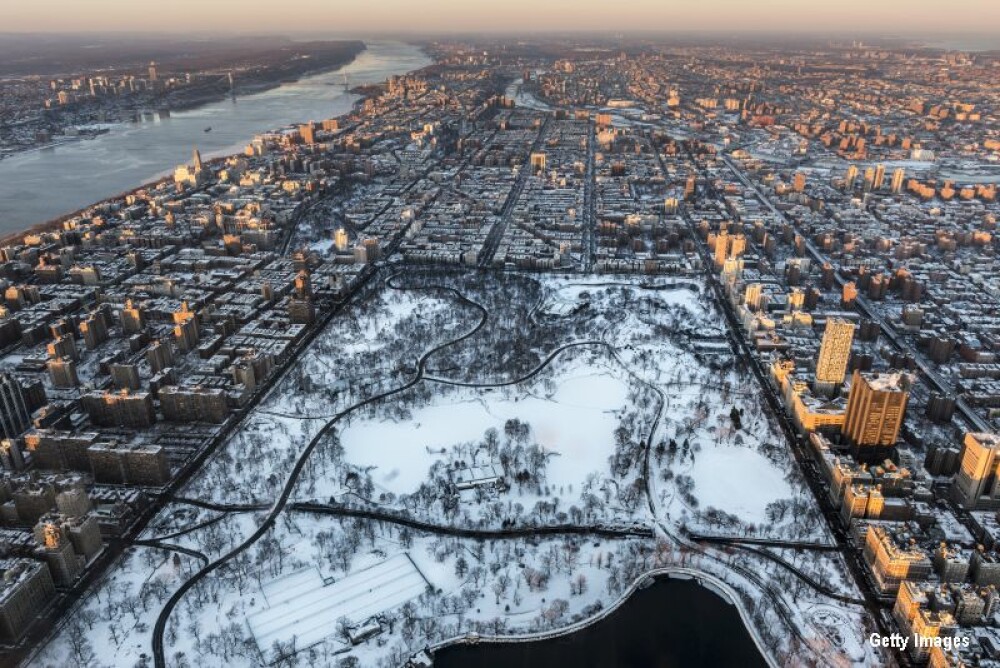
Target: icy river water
40, 185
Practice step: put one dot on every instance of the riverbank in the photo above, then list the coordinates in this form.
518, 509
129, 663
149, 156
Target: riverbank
194, 96
41, 189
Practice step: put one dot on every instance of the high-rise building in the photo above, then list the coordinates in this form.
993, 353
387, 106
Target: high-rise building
11, 456
737, 245
848, 294
191, 176
94, 330
14, 414
898, 177
133, 318
60, 450
367, 251
851, 178
125, 376
875, 409
869, 178
308, 132
834, 351
976, 485
62, 372
122, 463
63, 345
918, 615
160, 356
57, 550
303, 285
243, 373
340, 239
799, 182
752, 295
26, 588
120, 409
190, 404
690, 188
186, 335
879, 177
537, 162
153, 75
728, 246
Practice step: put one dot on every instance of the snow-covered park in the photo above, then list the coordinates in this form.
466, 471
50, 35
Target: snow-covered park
386, 495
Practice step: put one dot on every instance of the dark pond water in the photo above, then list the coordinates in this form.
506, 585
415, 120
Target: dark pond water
671, 624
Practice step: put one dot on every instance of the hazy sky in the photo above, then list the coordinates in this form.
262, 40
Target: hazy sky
341, 16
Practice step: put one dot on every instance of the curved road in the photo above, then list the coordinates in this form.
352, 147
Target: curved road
187, 530
221, 507
170, 547
279, 503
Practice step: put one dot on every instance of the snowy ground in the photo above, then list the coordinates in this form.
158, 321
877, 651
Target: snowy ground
720, 473
575, 423
631, 425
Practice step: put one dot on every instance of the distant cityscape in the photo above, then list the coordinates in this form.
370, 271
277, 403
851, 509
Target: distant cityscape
280, 408
38, 111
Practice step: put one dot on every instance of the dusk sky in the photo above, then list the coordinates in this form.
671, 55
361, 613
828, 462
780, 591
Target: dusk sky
895, 16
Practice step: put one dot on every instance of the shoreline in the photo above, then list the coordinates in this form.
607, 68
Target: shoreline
208, 96
54, 224
708, 581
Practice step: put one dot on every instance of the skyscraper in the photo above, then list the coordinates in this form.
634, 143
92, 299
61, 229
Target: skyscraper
869, 179
132, 317
975, 485
851, 178
308, 132
341, 239
537, 162
898, 177
14, 414
879, 177
834, 351
875, 409
728, 246
752, 295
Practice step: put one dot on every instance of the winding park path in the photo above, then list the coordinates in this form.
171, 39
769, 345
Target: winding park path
281, 503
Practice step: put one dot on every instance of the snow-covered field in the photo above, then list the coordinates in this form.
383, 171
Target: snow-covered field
575, 424
593, 403
721, 474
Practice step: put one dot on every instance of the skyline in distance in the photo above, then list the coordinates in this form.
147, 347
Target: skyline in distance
900, 17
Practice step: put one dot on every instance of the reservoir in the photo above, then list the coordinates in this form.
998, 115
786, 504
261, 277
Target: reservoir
43, 184
671, 624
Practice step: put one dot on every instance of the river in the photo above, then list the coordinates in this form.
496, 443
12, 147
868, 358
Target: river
43, 184
673, 623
